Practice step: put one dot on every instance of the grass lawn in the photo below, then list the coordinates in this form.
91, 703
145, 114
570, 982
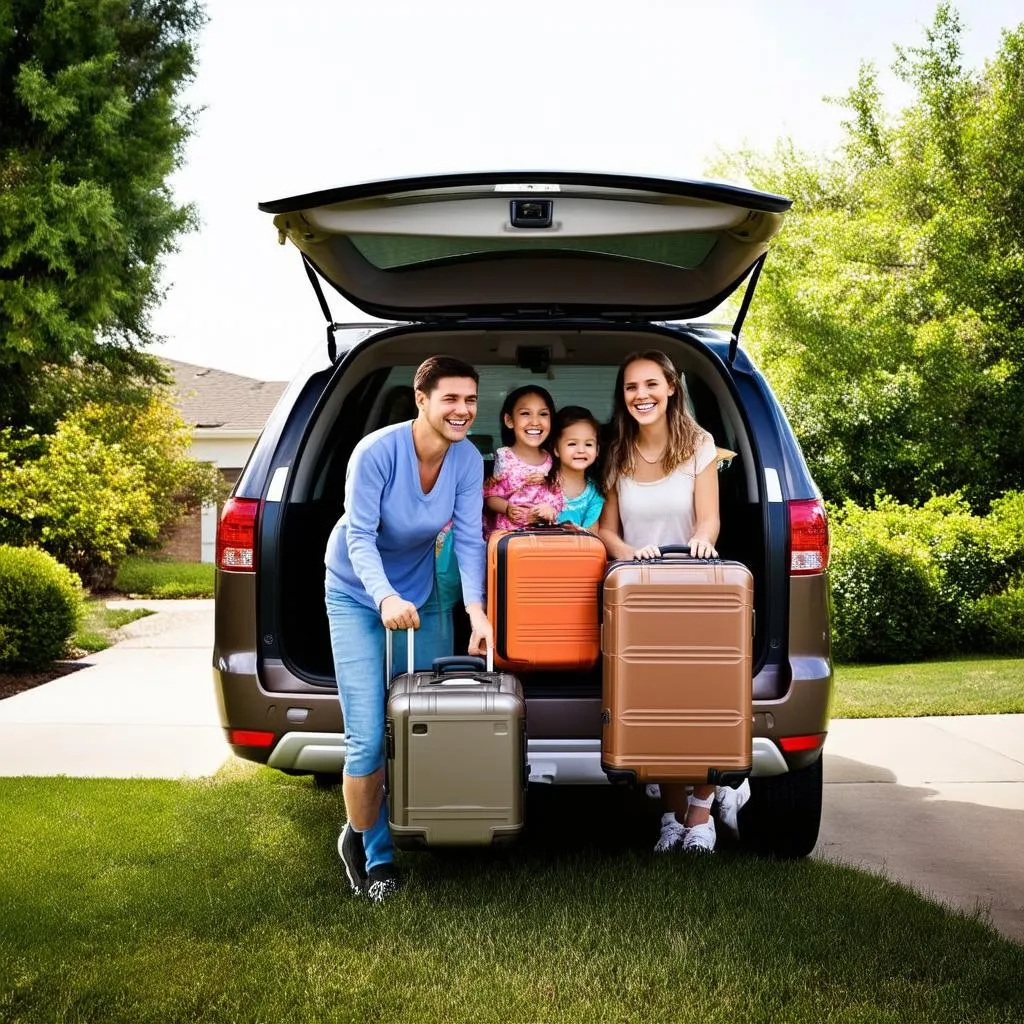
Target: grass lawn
222, 900
966, 686
152, 577
99, 625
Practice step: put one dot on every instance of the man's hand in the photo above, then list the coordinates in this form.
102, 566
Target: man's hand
482, 638
397, 613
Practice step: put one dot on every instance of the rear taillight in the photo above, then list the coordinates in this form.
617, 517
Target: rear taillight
794, 744
236, 535
808, 537
250, 738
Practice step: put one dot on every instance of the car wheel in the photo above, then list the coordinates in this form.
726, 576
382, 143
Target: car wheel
783, 815
326, 780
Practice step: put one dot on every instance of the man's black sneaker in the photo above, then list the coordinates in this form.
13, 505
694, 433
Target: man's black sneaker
383, 881
353, 856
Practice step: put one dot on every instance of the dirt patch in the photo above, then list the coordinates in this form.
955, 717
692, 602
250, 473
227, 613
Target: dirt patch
14, 681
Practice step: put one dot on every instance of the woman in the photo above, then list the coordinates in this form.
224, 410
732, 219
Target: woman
404, 484
661, 487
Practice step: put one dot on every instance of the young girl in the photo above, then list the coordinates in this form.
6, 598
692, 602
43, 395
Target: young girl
518, 493
575, 447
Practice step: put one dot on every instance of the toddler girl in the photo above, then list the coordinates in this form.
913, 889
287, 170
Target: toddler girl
519, 493
575, 447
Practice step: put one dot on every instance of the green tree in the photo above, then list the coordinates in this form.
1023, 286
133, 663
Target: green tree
91, 126
890, 317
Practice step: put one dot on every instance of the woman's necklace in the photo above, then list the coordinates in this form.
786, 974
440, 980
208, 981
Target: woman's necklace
650, 462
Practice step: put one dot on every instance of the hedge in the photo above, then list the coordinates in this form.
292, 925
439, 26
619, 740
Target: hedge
911, 582
40, 607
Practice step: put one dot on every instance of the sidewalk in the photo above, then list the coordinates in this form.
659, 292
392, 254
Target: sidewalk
935, 803
145, 707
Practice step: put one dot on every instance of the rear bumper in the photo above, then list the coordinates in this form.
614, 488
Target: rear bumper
554, 762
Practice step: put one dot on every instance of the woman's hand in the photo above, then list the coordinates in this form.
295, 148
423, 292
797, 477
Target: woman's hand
518, 514
701, 547
651, 551
482, 638
397, 613
541, 513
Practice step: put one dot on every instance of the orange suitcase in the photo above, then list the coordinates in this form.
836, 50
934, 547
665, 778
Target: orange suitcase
542, 598
676, 642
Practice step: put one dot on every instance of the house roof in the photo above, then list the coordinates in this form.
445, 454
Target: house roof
217, 399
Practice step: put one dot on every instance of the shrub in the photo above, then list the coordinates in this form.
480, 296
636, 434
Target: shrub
955, 559
152, 577
40, 606
885, 601
110, 480
995, 624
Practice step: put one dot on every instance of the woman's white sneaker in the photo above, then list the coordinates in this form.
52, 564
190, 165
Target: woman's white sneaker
700, 838
671, 836
730, 802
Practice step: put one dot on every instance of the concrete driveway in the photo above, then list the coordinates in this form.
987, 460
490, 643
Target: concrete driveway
935, 803
144, 708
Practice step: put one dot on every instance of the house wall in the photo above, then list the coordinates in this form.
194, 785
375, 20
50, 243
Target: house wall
195, 537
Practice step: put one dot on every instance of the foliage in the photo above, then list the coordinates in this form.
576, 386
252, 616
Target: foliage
110, 480
40, 606
152, 577
91, 126
906, 579
996, 623
890, 316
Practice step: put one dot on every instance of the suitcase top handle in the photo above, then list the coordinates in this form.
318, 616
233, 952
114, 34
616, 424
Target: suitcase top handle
457, 662
678, 549
441, 665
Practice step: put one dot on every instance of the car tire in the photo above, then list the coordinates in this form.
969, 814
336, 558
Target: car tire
326, 780
783, 815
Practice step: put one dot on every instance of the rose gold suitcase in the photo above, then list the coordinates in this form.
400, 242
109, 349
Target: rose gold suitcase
676, 645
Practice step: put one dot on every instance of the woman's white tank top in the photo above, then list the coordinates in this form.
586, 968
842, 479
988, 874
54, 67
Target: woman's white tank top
662, 512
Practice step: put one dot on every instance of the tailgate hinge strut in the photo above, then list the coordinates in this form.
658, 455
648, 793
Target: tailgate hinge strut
748, 294
332, 345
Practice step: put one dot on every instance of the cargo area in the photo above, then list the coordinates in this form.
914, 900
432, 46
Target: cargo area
577, 367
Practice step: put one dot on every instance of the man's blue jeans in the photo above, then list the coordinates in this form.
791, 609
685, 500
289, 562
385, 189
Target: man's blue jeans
357, 640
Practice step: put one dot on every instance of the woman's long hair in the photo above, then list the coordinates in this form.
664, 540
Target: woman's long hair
684, 433
508, 434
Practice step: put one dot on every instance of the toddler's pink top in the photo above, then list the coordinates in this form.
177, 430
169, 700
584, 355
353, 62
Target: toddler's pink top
509, 481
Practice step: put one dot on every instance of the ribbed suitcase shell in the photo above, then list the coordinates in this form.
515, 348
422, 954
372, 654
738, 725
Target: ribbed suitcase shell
677, 642
456, 758
542, 598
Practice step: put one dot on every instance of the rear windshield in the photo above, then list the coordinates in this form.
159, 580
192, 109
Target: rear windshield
393, 252
589, 386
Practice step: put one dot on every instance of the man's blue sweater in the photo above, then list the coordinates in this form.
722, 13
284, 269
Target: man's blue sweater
384, 543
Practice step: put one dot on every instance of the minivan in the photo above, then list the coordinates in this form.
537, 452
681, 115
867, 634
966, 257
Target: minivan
540, 276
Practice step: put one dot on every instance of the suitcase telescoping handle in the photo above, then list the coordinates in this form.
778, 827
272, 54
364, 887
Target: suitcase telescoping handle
441, 665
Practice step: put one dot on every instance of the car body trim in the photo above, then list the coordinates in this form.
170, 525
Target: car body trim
772, 486
552, 762
275, 492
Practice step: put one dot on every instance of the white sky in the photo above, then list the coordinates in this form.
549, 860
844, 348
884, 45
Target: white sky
313, 94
